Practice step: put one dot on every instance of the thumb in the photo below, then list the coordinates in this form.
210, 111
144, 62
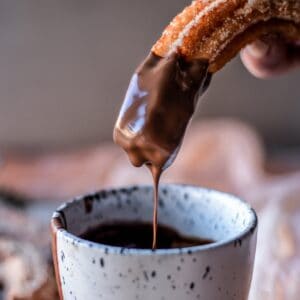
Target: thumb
270, 56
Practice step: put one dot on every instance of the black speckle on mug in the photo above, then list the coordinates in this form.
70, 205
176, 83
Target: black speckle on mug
192, 285
161, 203
124, 191
146, 276
153, 274
102, 262
174, 287
169, 277
207, 270
194, 259
178, 268
134, 188
189, 252
62, 256
93, 261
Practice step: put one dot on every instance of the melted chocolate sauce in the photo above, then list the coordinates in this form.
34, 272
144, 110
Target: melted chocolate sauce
158, 106
138, 235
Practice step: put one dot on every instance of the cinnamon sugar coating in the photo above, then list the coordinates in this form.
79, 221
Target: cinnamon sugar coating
217, 30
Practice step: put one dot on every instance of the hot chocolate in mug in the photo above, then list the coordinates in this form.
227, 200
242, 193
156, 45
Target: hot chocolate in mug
220, 270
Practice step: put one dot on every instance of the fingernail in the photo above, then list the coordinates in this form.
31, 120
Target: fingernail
258, 49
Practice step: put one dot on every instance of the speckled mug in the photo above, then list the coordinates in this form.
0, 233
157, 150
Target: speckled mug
217, 271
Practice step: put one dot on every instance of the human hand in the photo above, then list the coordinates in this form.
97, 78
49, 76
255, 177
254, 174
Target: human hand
271, 56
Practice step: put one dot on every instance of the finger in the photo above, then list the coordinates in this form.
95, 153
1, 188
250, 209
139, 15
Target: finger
269, 57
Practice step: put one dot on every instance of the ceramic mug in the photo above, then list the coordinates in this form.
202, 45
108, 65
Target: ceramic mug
219, 271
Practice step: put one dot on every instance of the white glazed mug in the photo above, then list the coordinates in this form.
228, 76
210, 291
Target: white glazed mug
219, 271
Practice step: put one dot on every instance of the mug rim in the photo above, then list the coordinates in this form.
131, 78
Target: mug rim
108, 249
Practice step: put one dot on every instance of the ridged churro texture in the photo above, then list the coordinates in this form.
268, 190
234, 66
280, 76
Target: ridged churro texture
217, 30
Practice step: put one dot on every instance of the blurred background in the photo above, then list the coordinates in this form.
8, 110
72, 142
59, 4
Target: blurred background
65, 65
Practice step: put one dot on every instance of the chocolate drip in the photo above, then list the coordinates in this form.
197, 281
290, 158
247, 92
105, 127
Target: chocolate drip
159, 103
156, 173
